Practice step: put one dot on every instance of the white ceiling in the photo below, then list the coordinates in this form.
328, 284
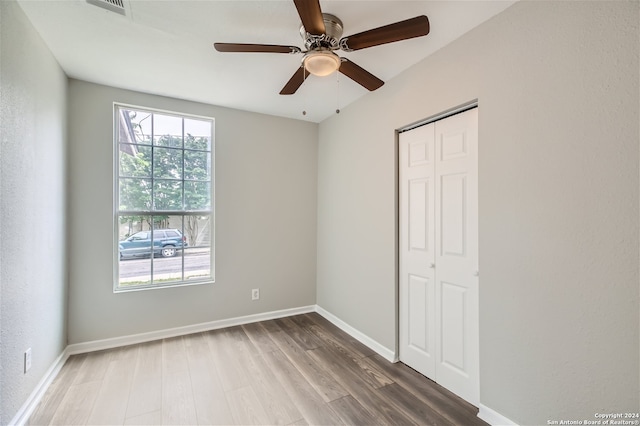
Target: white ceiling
166, 47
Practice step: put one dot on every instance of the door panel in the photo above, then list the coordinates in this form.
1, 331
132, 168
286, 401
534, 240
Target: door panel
418, 214
417, 247
453, 145
453, 200
419, 153
419, 288
452, 329
457, 364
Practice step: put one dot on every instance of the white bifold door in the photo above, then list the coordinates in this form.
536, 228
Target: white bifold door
439, 252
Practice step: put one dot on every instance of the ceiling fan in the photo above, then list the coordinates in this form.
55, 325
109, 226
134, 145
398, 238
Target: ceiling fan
322, 34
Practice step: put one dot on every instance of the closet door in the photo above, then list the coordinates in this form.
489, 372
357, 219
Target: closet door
417, 249
438, 280
457, 361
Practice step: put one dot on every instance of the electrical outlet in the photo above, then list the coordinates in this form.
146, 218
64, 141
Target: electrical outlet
255, 294
27, 360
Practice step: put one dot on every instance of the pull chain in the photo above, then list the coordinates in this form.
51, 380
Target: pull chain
337, 92
304, 100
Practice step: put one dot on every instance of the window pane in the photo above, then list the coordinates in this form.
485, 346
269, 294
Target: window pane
197, 255
134, 249
134, 126
167, 163
168, 245
135, 194
197, 165
197, 195
167, 195
167, 130
135, 160
197, 134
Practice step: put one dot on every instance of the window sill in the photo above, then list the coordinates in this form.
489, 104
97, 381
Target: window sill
164, 286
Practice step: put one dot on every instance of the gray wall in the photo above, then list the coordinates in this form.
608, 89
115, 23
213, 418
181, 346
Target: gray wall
557, 85
265, 214
32, 208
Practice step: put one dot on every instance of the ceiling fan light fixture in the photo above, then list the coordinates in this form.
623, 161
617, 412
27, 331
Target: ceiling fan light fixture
321, 62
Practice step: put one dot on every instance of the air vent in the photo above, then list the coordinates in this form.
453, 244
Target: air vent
112, 5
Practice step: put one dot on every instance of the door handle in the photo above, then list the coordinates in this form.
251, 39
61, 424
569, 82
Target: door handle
432, 265
476, 274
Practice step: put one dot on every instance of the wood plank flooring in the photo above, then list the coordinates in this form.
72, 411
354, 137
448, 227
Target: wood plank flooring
299, 370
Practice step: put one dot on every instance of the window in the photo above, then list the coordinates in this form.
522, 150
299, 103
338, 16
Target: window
163, 199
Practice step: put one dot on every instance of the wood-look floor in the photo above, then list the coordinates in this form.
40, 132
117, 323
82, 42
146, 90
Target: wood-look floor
292, 371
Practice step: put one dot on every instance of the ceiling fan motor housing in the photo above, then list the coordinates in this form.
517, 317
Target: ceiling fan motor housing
330, 39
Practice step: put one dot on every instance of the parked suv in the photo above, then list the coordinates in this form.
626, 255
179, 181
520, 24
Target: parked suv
165, 243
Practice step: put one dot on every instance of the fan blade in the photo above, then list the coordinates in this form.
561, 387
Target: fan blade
311, 16
255, 48
294, 82
360, 75
403, 30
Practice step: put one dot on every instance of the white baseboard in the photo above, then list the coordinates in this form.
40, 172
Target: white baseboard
31, 403
384, 352
133, 339
493, 417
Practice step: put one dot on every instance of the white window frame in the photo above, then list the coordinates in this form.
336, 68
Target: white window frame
117, 288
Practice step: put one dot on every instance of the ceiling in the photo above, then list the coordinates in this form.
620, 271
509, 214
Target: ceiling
166, 47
